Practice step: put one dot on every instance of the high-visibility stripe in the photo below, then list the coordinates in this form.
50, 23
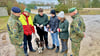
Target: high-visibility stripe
23, 20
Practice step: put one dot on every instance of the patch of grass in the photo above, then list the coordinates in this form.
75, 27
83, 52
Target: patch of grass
3, 23
89, 12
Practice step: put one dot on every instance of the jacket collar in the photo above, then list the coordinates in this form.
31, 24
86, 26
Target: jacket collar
77, 14
40, 15
14, 17
54, 16
25, 15
62, 21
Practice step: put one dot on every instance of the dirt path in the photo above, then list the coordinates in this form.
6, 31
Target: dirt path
90, 45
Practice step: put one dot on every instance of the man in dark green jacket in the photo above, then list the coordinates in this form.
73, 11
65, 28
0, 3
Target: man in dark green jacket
77, 29
41, 20
63, 32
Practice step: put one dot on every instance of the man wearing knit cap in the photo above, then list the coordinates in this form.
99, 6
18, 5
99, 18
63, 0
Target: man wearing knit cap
15, 31
53, 25
77, 29
28, 28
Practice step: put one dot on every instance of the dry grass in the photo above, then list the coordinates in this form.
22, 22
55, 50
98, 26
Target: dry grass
89, 12
3, 23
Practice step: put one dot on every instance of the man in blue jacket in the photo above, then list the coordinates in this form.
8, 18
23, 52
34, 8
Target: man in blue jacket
54, 24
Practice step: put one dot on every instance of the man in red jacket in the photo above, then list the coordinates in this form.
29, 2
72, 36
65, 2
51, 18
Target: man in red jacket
28, 28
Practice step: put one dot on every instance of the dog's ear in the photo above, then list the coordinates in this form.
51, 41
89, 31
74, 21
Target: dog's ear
37, 39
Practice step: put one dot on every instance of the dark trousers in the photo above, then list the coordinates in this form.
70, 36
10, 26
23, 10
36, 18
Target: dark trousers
64, 45
27, 39
43, 35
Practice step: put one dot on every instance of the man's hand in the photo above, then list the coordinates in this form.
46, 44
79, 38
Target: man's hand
41, 25
48, 26
21, 46
58, 29
52, 32
37, 25
49, 30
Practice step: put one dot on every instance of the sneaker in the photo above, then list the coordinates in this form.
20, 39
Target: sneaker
57, 49
52, 47
33, 50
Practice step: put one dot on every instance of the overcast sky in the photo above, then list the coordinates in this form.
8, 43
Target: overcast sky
45, 1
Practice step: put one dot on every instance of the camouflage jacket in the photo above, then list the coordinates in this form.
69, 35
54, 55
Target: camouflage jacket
15, 30
77, 28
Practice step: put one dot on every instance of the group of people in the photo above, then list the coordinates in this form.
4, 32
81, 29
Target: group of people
21, 26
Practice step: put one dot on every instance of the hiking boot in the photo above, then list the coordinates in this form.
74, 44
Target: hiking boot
26, 54
62, 51
33, 50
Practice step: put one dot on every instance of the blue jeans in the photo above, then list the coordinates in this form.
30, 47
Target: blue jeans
55, 40
27, 39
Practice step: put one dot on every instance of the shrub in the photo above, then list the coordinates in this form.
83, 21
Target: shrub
11, 4
61, 7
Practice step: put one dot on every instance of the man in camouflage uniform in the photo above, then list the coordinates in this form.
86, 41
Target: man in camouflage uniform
15, 31
77, 30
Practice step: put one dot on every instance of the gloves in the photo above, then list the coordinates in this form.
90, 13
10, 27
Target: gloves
59, 30
52, 32
37, 25
48, 26
41, 25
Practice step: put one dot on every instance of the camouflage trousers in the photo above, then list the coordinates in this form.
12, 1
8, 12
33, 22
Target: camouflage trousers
19, 51
75, 48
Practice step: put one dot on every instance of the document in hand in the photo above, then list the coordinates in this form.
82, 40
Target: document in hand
46, 29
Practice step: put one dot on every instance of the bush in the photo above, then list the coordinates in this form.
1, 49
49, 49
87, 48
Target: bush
31, 6
61, 7
11, 4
